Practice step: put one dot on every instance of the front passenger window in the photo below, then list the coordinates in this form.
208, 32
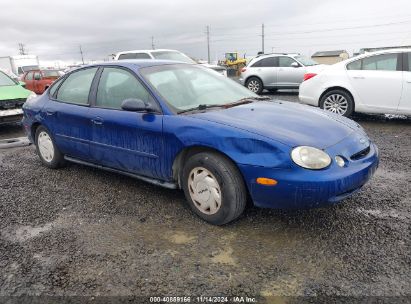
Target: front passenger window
117, 85
385, 62
286, 62
76, 88
29, 76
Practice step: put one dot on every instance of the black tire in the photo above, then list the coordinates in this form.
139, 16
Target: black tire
255, 85
57, 159
343, 94
272, 90
233, 192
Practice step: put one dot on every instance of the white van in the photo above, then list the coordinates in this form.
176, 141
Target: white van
165, 54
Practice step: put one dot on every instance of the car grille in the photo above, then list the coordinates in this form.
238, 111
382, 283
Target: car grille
12, 103
361, 154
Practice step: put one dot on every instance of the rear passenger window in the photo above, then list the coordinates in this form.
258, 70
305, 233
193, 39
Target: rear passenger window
355, 65
117, 85
76, 87
134, 56
266, 62
386, 62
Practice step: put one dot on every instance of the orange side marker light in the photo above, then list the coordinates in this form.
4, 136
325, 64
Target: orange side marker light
266, 181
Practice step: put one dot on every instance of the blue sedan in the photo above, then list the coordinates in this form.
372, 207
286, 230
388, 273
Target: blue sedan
183, 126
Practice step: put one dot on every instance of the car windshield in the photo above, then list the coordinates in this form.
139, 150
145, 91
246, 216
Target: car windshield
189, 86
306, 61
172, 55
29, 68
6, 80
51, 74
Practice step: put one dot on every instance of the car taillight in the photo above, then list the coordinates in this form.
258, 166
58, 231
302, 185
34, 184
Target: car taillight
309, 76
243, 70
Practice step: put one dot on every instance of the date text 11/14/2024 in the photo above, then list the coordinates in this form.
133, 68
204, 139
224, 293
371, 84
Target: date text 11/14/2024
203, 299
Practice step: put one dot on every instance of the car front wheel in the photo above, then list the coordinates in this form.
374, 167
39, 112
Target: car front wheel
338, 102
47, 150
214, 188
255, 85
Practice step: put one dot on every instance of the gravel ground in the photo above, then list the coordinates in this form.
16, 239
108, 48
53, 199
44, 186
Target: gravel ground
81, 231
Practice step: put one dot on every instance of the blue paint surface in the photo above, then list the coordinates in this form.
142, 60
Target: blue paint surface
258, 137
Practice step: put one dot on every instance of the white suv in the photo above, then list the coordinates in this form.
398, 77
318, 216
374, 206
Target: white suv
275, 71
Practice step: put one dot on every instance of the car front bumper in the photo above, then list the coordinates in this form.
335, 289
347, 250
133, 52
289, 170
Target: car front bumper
12, 115
241, 80
302, 188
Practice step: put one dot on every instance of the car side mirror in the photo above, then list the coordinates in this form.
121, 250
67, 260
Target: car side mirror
295, 65
135, 105
23, 84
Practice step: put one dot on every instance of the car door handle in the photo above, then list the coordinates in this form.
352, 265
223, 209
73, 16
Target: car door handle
97, 121
50, 112
358, 77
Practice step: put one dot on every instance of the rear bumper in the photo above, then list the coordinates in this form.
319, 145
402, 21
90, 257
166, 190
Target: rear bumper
309, 92
308, 100
302, 188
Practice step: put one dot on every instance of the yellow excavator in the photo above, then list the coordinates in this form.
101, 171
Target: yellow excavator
233, 59
234, 62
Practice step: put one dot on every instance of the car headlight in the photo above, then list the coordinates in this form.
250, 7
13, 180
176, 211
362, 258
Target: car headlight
310, 158
31, 96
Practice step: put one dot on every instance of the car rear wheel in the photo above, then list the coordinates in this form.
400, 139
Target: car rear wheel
214, 188
47, 150
338, 102
255, 85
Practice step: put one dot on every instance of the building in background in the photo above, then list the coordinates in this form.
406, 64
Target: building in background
330, 57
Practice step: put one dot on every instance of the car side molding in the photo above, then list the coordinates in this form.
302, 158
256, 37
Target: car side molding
154, 181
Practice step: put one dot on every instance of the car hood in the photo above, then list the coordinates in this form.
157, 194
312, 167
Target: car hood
289, 123
13, 92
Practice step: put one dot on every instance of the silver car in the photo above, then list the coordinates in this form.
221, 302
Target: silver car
275, 71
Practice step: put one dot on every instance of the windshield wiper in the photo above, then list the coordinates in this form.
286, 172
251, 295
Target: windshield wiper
200, 107
241, 101
245, 101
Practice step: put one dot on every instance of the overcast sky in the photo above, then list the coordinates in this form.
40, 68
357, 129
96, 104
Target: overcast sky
53, 30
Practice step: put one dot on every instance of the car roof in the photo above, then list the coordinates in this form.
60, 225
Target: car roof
368, 54
139, 63
262, 56
277, 54
147, 51
401, 50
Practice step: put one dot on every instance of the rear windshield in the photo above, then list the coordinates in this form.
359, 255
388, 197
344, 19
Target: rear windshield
6, 80
51, 74
134, 56
29, 68
172, 55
